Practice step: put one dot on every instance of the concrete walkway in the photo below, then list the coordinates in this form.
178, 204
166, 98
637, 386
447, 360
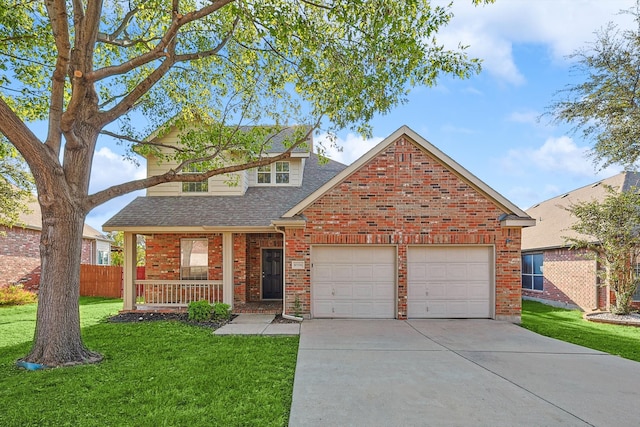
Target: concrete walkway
257, 324
455, 373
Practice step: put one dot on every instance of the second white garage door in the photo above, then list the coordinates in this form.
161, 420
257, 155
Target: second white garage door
353, 281
449, 282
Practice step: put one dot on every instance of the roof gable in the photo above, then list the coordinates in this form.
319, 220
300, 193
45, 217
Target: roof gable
504, 204
554, 221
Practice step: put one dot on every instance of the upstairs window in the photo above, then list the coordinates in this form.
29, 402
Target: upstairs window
194, 187
275, 173
532, 277
282, 172
264, 174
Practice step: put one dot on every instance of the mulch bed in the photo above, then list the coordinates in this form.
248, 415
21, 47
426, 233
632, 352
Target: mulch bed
176, 317
180, 317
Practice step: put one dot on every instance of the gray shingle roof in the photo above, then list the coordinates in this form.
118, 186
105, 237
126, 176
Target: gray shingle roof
258, 207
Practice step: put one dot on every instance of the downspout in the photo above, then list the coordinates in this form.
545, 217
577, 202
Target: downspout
284, 277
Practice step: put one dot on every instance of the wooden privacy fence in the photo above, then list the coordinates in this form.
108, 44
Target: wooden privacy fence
100, 281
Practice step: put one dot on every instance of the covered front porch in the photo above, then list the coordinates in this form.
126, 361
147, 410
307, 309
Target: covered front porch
244, 269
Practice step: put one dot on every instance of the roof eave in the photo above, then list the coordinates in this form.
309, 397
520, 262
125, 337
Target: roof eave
518, 222
189, 229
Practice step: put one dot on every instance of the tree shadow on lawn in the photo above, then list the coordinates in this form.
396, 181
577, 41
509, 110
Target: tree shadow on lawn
569, 326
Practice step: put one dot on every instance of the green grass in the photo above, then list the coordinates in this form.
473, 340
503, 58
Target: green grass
568, 325
18, 323
153, 374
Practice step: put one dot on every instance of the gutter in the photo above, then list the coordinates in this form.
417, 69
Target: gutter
284, 276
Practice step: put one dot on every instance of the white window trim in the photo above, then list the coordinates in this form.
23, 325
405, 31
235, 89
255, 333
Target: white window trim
273, 173
189, 172
207, 266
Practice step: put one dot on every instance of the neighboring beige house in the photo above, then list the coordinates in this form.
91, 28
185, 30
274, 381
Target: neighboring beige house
403, 232
20, 249
551, 271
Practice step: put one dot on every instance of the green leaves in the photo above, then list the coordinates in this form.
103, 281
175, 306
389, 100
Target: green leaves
611, 228
16, 184
604, 107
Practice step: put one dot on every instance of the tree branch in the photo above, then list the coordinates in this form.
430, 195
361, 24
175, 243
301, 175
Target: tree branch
25, 141
173, 175
159, 51
57, 11
111, 38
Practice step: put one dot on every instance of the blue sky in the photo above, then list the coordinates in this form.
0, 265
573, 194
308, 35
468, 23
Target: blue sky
489, 123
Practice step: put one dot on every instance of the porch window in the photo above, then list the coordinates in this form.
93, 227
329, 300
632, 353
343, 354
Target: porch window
194, 187
532, 268
194, 259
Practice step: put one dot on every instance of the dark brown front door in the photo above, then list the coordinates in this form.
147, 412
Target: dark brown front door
272, 274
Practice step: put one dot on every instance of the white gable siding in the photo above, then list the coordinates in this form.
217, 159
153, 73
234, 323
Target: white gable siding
218, 185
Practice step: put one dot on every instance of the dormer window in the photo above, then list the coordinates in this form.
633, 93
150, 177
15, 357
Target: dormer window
277, 173
194, 187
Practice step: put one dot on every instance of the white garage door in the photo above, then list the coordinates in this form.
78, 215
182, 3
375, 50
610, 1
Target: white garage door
449, 282
353, 281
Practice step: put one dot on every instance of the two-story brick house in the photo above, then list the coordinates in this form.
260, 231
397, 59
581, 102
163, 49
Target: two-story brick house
404, 231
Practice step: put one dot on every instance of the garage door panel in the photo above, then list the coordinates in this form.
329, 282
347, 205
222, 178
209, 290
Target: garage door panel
342, 290
363, 273
342, 273
361, 283
362, 291
448, 282
478, 291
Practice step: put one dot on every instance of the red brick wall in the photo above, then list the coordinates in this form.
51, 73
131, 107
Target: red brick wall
569, 278
163, 255
404, 197
20, 256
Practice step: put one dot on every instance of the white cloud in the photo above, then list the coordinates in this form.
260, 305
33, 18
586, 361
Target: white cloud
349, 149
526, 117
556, 154
562, 25
110, 168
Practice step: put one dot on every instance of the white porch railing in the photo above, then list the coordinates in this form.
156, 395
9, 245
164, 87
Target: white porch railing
177, 293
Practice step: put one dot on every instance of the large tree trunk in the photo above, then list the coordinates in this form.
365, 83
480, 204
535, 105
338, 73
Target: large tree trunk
57, 336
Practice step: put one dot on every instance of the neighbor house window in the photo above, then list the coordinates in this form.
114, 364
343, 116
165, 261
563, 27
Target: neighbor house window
194, 187
103, 258
277, 172
194, 260
532, 268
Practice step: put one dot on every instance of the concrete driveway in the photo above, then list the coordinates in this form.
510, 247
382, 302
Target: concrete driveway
455, 373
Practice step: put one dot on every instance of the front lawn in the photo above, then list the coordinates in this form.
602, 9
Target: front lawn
153, 373
568, 325
18, 323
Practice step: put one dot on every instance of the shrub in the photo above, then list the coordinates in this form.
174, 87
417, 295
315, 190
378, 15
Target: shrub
221, 311
16, 295
199, 311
